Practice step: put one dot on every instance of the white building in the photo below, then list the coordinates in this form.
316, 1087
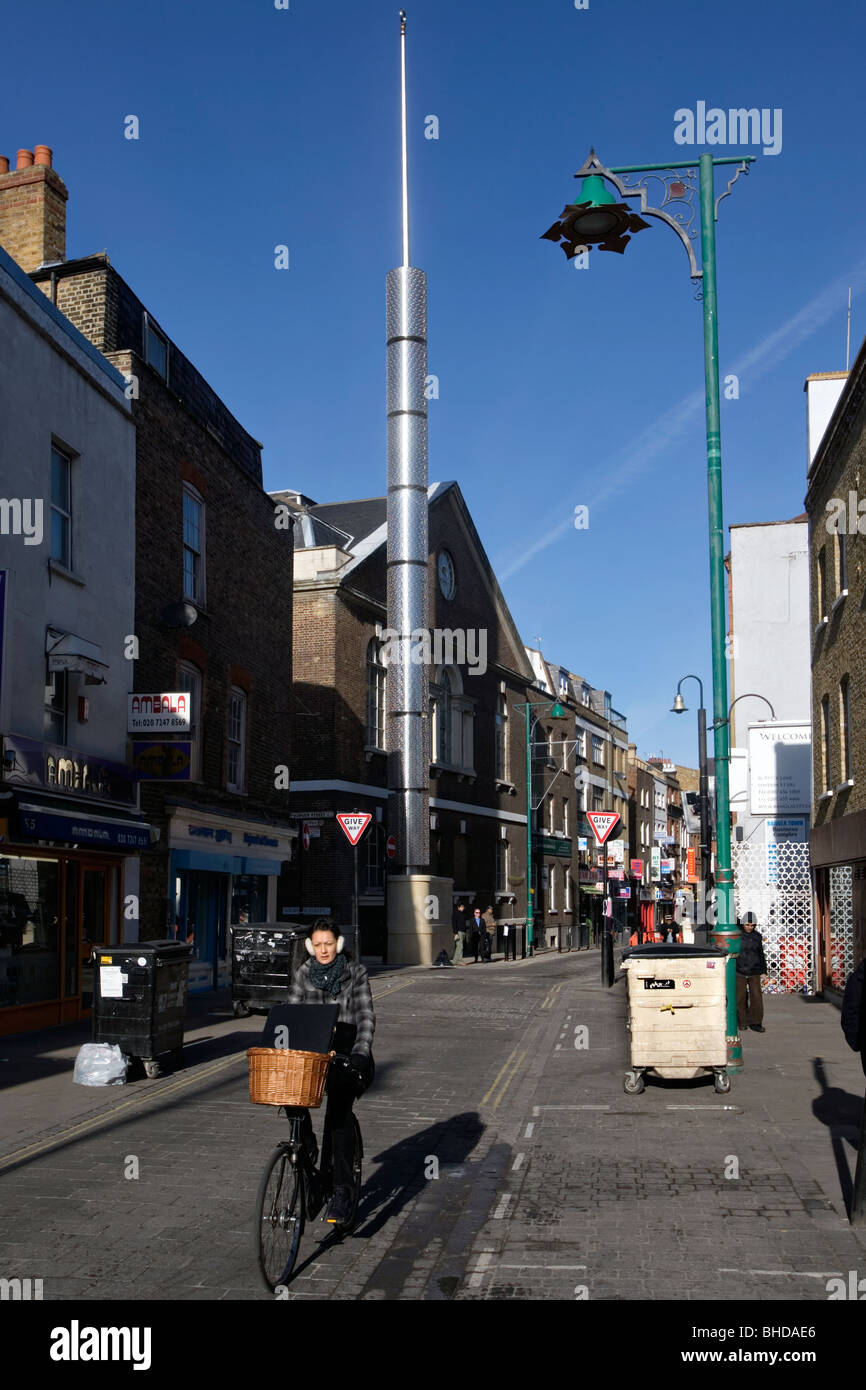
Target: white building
69, 824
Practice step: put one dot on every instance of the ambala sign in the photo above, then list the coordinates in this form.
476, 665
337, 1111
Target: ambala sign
167, 713
780, 768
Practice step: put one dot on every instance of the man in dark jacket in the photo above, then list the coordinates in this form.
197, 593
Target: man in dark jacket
751, 965
853, 1014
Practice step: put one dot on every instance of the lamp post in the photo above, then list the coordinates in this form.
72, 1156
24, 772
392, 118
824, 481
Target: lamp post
598, 219
680, 707
555, 711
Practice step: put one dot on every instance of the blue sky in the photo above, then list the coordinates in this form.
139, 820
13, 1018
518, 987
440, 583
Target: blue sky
558, 386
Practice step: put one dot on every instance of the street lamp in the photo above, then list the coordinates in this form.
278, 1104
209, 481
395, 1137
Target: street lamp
680, 707
555, 711
607, 229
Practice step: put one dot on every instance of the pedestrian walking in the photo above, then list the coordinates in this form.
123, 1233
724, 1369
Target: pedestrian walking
854, 1014
751, 965
489, 929
477, 932
458, 922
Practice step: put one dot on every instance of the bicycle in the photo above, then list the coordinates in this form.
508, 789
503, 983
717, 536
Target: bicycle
294, 1190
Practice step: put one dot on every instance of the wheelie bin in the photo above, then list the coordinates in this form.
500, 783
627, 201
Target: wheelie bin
139, 998
265, 955
676, 1014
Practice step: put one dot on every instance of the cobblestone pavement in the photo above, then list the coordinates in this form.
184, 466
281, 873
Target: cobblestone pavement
551, 1182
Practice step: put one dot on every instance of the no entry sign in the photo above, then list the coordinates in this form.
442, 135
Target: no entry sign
602, 823
354, 823
391, 847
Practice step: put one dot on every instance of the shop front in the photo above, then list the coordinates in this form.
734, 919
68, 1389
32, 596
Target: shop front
838, 858
222, 871
69, 845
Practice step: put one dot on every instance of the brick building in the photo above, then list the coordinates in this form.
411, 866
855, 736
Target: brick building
213, 606
837, 565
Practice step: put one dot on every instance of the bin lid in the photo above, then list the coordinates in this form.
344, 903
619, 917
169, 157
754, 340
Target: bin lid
660, 950
177, 949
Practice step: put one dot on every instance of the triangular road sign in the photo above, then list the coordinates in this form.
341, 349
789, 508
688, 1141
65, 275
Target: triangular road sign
354, 823
602, 823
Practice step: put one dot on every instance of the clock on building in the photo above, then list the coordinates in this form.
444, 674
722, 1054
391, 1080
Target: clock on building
447, 581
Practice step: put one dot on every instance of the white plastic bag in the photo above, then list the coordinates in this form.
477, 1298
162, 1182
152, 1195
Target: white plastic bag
100, 1064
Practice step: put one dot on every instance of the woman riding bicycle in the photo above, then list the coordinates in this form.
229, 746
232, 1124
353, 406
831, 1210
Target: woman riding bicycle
330, 977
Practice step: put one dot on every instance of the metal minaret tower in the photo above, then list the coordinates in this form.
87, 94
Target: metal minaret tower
407, 680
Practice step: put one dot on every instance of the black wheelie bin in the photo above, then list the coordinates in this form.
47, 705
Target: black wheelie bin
265, 955
139, 998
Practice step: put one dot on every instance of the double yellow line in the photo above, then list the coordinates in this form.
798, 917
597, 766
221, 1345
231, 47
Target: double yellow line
504, 1077
550, 997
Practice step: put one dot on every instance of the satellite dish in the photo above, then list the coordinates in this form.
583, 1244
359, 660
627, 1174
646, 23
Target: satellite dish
179, 615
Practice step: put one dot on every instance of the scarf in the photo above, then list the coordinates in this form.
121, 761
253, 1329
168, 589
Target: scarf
328, 977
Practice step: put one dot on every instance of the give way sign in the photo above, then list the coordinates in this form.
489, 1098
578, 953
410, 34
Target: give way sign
602, 823
354, 823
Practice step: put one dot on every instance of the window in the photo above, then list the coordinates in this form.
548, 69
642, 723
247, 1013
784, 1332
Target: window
845, 729
376, 694
189, 679
826, 764
501, 741
565, 816
237, 730
822, 584
155, 348
598, 750
374, 871
564, 753
453, 720
501, 866
56, 695
553, 888
61, 507
567, 903
550, 815
580, 744
585, 695
193, 545
841, 561
597, 798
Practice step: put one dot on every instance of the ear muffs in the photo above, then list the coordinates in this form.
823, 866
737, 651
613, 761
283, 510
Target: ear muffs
341, 941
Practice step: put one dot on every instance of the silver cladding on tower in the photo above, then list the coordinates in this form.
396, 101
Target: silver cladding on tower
407, 681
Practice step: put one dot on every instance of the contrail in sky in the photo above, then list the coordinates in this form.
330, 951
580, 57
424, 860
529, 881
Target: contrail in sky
658, 436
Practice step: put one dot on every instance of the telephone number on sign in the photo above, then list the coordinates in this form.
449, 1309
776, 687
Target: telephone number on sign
160, 722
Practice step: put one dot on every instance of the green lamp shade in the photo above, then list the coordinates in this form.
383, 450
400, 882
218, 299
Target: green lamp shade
595, 191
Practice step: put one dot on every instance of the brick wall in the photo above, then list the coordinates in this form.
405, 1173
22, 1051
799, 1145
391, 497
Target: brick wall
33, 215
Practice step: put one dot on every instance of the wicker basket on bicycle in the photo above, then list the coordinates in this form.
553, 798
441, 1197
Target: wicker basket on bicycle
279, 1076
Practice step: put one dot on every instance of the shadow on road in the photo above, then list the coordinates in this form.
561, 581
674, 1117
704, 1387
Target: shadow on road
842, 1113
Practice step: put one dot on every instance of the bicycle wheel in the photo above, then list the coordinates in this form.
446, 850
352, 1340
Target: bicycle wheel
280, 1213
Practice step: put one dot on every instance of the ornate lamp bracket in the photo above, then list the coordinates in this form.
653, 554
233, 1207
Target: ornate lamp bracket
680, 191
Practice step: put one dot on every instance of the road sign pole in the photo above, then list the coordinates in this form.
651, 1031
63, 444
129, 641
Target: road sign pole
355, 910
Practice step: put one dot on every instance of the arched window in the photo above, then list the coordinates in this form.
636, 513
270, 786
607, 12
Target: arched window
452, 716
376, 691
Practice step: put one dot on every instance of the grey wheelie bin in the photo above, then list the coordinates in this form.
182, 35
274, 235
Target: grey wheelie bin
139, 999
265, 955
676, 1014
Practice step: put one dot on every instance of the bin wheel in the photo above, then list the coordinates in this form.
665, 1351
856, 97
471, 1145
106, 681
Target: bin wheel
151, 1067
633, 1083
721, 1082
240, 1009
177, 1058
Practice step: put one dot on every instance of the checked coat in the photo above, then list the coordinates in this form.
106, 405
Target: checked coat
353, 997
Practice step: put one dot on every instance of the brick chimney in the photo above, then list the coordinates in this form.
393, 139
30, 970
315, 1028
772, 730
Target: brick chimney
32, 209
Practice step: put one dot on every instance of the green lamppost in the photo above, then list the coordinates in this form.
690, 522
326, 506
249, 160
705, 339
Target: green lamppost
598, 219
555, 711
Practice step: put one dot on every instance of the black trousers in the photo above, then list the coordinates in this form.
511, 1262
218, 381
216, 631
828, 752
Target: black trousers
339, 1140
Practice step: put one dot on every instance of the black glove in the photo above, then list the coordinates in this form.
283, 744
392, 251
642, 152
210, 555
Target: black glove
359, 1063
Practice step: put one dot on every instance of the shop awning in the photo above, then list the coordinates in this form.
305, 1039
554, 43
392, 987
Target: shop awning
67, 652
43, 821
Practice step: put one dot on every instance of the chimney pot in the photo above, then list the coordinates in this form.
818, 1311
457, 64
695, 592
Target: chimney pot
25, 159
42, 155
4, 164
